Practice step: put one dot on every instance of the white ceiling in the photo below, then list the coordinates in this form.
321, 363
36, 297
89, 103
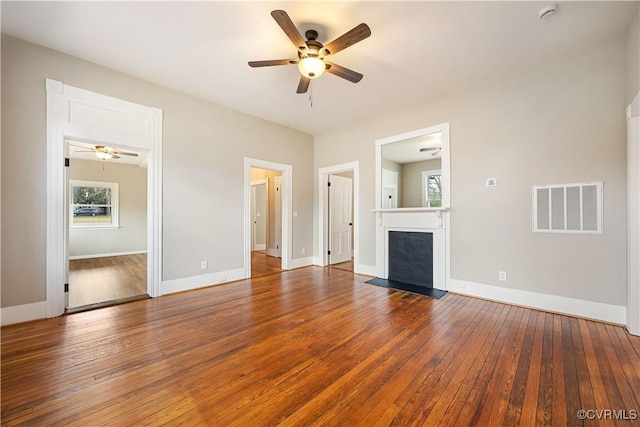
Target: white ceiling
417, 50
408, 150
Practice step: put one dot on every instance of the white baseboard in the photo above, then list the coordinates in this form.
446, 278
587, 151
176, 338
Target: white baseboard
300, 262
106, 255
552, 303
23, 313
204, 280
260, 247
273, 252
367, 270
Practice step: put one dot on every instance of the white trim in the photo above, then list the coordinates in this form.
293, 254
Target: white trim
202, 281
633, 216
301, 262
287, 208
552, 303
321, 258
23, 313
273, 252
75, 257
260, 247
368, 270
80, 114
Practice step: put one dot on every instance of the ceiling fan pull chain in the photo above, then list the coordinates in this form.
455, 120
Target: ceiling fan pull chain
311, 95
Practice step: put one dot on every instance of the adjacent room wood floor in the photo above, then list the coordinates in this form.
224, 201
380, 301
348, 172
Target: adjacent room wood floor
316, 346
262, 264
107, 279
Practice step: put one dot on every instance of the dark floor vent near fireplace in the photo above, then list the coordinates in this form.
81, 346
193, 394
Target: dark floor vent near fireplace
411, 258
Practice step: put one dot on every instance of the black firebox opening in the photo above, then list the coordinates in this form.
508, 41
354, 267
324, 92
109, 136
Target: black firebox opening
411, 258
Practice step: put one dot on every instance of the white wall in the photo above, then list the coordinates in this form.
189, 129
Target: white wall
131, 236
204, 146
561, 121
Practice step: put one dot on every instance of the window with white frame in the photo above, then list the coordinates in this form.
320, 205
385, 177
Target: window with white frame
568, 208
432, 189
93, 204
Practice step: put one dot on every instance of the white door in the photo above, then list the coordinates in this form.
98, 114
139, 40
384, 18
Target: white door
259, 211
389, 189
340, 218
277, 180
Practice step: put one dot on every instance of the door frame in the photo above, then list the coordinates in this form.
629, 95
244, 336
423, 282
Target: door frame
286, 193
323, 215
89, 116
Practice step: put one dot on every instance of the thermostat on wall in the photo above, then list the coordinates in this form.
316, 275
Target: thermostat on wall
491, 182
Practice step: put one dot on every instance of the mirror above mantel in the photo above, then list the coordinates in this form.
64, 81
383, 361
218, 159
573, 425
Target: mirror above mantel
412, 170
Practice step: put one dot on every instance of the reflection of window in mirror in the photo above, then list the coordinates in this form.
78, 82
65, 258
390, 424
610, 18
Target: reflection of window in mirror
432, 189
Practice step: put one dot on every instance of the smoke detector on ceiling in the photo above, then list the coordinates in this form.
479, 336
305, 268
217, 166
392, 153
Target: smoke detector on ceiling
547, 11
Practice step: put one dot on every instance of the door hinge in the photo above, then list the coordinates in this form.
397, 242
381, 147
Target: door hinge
66, 287
328, 252
328, 184
66, 162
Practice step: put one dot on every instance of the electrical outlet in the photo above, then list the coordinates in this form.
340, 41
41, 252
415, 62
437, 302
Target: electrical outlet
204, 265
502, 275
303, 251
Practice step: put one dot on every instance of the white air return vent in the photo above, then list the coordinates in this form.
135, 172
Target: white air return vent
568, 208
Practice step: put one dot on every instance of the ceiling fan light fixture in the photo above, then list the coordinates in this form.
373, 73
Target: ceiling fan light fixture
311, 67
104, 156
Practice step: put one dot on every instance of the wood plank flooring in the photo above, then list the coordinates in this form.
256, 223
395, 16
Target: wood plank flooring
107, 279
262, 264
316, 346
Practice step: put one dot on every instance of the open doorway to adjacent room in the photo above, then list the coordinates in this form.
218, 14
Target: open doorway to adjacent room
266, 221
107, 232
338, 212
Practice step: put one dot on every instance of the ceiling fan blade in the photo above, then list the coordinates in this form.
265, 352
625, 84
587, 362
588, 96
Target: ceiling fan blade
289, 28
303, 86
343, 72
115, 156
121, 153
359, 33
273, 62
84, 151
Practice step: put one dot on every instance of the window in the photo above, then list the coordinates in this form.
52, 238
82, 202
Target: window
432, 189
93, 204
568, 208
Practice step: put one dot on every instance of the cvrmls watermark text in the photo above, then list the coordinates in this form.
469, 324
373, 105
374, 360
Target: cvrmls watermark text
608, 414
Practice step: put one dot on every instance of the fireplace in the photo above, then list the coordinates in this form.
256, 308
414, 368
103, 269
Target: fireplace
410, 258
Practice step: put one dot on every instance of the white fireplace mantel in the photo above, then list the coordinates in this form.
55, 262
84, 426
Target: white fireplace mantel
422, 220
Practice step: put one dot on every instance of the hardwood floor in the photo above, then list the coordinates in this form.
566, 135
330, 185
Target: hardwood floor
262, 264
316, 346
107, 280
346, 266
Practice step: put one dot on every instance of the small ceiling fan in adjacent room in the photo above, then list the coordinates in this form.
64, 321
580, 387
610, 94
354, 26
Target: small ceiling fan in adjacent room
104, 152
312, 54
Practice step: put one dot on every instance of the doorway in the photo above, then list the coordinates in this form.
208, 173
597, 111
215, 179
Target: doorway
338, 243
78, 114
266, 216
276, 255
107, 232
